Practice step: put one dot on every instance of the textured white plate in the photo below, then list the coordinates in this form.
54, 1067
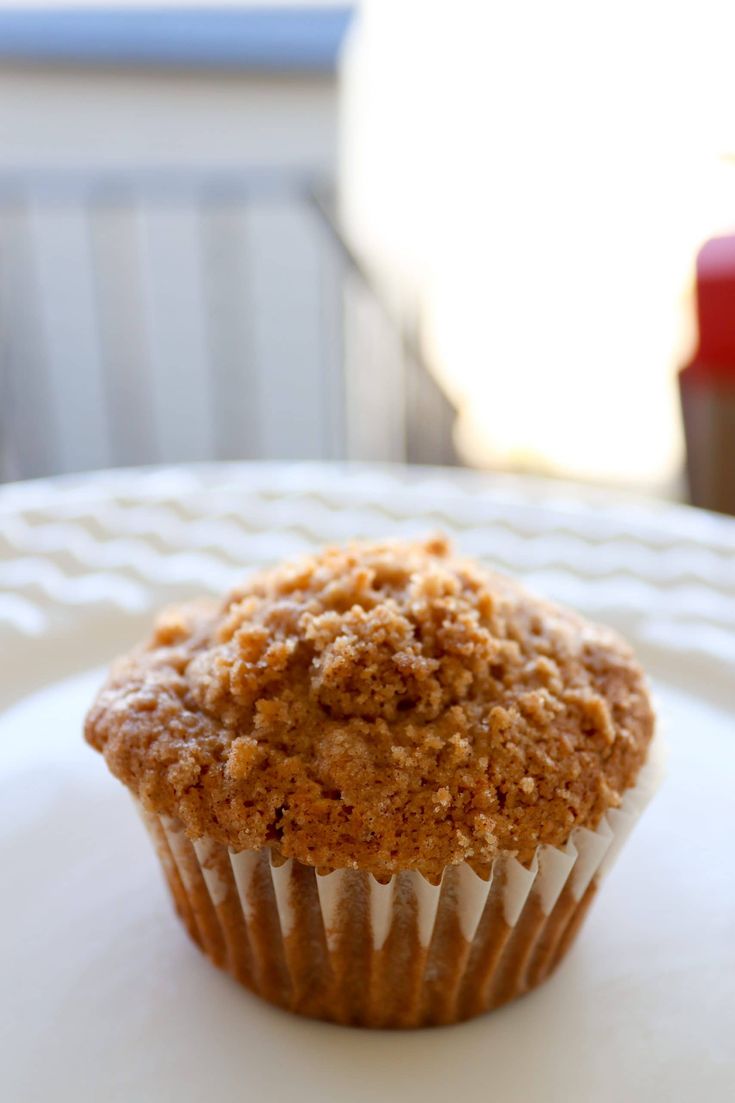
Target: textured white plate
101, 995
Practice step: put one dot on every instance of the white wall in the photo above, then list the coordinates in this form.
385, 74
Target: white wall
146, 329
58, 117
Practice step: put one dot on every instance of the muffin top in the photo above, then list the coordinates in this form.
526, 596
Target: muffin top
380, 706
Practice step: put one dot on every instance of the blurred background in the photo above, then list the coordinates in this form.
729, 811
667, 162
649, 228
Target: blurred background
395, 230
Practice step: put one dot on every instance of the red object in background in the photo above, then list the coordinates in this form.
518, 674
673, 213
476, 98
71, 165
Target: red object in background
716, 308
707, 383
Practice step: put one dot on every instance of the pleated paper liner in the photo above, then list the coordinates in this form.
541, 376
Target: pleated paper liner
406, 953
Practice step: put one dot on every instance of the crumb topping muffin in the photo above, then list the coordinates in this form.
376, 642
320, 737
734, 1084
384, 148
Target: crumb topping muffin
382, 707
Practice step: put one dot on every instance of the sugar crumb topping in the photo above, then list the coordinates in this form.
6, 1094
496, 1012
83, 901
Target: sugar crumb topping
382, 707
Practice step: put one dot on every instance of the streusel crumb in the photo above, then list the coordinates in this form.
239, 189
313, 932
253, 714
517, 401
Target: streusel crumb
381, 707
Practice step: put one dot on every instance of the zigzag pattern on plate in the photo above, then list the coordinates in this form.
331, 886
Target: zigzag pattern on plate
137, 539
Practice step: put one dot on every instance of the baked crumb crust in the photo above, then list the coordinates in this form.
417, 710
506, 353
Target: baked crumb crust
380, 707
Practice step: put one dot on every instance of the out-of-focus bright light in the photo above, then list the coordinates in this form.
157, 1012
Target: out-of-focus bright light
542, 176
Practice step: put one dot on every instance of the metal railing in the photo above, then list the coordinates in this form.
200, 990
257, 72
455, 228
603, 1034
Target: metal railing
177, 316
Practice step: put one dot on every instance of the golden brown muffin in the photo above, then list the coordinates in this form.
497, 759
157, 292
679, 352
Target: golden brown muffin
380, 708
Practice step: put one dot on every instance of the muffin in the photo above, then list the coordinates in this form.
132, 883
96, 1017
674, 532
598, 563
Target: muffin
383, 783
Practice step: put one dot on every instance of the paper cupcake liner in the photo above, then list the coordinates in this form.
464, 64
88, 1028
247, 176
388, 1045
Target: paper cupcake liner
406, 953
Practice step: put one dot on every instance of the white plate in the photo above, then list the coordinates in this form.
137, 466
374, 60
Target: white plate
104, 998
